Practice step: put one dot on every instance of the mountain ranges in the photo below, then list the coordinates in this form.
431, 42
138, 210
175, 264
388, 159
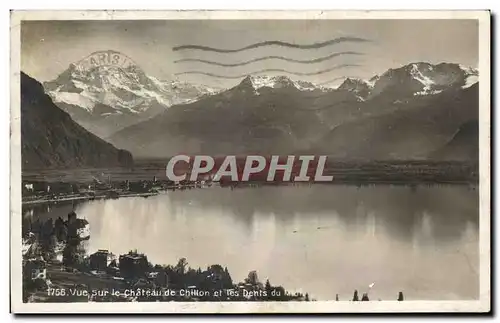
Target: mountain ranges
418, 111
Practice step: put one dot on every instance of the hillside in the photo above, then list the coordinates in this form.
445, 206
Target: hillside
51, 139
414, 131
463, 146
245, 119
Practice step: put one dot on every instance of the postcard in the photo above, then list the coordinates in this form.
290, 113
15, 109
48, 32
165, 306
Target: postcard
250, 161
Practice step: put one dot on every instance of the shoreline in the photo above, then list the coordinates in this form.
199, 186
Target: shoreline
237, 185
85, 198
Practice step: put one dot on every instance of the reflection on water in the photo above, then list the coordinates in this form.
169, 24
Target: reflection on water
321, 239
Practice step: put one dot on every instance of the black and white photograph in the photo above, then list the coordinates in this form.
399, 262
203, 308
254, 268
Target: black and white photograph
250, 161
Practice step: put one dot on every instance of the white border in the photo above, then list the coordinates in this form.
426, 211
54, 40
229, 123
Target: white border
483, 305
121, 14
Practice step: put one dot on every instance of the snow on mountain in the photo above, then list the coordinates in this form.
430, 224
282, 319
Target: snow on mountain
472, 76
416, 79
436, 83
275, 82
106, 98
78, 99
126, 90
426, 81
471, 80
371, 82
428, 91
468, 70
263, 81
359, 87
305, 86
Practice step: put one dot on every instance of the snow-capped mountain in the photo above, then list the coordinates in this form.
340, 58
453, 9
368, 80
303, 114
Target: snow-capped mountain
415, 79
472, 76
277, 82
360, 87
124, 95
423, 79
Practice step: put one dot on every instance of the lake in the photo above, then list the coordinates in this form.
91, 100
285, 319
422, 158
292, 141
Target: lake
320, 239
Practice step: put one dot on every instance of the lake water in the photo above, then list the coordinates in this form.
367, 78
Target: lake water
321, 239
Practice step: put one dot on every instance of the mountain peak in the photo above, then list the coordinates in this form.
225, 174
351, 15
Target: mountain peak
469, 70
352, 81
276, 82
124, 88
122, 94
259, 81
422, 78
359, 87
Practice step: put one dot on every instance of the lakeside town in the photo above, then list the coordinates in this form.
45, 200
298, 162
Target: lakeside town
56, 268
37, 192
148, 179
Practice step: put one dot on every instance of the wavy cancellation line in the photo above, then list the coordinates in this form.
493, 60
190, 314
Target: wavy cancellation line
306, 61
274, 43
269, 70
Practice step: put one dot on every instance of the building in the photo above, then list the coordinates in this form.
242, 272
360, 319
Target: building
99, 260
140, 186
133, 265
159, 278
34, 188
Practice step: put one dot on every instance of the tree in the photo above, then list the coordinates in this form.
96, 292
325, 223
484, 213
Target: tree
181, 266
400, 296
253, 278
228, 280
268, 285
48, 247
60, 229
355, 298
365, 297
307, 297
337, 297
72, 255
268, 288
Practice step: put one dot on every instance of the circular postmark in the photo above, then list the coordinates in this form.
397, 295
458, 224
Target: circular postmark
106, 58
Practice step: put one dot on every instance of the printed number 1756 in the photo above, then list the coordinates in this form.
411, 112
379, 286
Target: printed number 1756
56, 292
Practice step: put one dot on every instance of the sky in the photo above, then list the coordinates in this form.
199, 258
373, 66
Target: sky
49, 47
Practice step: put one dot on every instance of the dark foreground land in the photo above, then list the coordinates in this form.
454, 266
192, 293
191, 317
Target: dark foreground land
57, 268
